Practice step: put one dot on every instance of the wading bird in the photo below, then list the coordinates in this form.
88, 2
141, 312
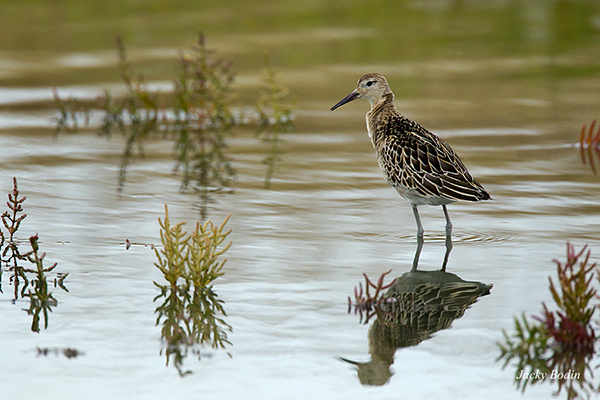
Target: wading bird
419, 165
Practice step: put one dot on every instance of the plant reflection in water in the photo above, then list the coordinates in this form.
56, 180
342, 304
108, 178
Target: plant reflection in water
197, 116
275, 117
560, 345
35, 280
65, 351
415, 306
191, 312
589, 142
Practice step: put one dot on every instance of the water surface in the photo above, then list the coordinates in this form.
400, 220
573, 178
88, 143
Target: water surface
508, 84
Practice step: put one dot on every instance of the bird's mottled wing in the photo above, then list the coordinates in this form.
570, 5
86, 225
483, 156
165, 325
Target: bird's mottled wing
415, 159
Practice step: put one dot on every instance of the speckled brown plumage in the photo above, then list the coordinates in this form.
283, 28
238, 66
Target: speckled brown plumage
419, 165
425, 302
418, 304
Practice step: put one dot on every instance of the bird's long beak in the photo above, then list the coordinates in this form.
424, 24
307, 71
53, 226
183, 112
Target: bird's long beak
355, 363
352, 96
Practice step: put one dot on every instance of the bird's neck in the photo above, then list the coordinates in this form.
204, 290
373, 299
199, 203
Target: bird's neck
378, 117
386, 101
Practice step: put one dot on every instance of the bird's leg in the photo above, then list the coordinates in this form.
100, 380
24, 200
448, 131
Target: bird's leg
418, 252
448, 223
419, 225
448, 250
419, 238
448, 237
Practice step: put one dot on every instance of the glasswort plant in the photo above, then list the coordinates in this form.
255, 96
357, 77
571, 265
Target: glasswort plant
191, 313
560, 345
275, 118
35, 279
196, 116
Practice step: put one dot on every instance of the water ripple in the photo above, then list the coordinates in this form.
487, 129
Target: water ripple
458, 237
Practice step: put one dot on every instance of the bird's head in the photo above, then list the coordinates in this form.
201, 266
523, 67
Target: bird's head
371, 87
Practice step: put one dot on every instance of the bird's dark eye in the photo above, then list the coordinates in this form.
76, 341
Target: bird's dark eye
370, 83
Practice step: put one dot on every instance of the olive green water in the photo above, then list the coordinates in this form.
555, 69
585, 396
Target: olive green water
507, 83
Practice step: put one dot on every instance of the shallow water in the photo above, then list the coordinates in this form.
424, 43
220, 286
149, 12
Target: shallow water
511, 101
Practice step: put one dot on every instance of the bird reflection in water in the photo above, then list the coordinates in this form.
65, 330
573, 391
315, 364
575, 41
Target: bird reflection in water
415, 306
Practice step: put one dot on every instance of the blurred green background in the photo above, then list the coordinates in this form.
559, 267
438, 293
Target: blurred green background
530, 52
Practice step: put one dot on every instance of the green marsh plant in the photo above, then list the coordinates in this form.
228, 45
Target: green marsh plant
34, 279
191, 314
41, 299
560, 345
135, 116
197, 116
275, 118
71, 114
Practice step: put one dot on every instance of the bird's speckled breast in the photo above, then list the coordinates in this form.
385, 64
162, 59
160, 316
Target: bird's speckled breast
376, 122
369, 127
381, 122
